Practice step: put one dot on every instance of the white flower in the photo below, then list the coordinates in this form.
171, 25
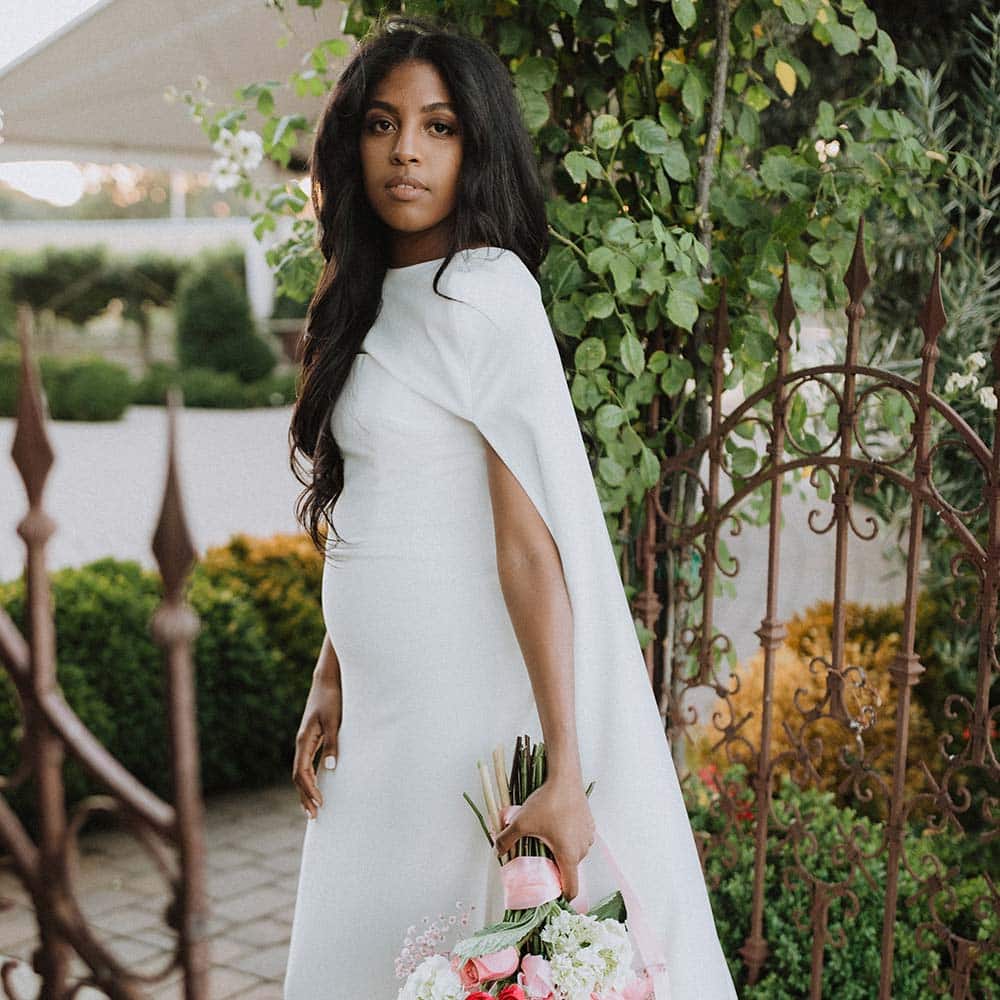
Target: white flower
248, 149
433, 979
224, 174
689, 386
225, 145
975, 361
588, 955
957, 381
826, 150
727, 361
988, 397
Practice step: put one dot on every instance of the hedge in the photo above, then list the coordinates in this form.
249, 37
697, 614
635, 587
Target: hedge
95, 389
253, 656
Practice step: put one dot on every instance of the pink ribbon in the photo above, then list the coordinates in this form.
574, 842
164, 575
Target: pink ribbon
529, 882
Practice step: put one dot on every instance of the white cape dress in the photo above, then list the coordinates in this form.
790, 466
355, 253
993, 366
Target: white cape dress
431, 670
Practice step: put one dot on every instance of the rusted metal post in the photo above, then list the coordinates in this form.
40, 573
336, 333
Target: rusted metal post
33, 456
772, 634
906, 669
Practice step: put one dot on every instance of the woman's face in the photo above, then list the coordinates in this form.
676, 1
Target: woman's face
410, 133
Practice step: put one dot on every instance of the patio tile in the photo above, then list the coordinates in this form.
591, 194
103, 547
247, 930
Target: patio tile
253, 904
268, 963
261, 932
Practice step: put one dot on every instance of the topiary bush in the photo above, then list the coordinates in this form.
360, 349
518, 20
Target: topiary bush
215, 328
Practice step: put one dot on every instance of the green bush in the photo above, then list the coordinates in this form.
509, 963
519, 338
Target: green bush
215, 328
205, 387
850, 972
253, 661
88, 388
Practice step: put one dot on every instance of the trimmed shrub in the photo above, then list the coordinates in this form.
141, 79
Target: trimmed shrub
215, 328
87, 388
204, 387
261, 631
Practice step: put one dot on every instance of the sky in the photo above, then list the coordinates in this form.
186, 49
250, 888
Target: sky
24, 25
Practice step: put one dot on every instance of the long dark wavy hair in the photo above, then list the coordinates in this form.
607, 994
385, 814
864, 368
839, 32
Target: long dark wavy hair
500, 202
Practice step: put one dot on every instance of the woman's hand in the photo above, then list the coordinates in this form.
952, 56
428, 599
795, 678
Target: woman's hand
559, 815
318, 730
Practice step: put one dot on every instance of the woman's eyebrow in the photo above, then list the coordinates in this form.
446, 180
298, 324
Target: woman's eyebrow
436, 106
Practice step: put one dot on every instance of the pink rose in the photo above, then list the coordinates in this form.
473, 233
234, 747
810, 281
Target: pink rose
479, 995
486, 968
536, 977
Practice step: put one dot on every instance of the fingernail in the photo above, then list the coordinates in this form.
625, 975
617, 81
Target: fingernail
330, 761
316, 804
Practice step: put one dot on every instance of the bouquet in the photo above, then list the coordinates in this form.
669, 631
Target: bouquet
545, 947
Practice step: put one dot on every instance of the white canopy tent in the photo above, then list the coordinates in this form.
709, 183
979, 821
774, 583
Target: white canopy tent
94, 91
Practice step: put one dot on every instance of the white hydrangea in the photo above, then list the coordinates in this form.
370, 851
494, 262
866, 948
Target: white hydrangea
433, 979
988, 397
587, 955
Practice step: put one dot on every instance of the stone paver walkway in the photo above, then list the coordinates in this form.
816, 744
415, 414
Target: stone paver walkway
253, 842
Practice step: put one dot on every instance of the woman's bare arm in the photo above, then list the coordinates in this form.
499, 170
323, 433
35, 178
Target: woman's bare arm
320, 726
534, 589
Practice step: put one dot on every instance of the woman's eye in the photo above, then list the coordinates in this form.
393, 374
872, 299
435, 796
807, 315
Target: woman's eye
448, 129
373, 124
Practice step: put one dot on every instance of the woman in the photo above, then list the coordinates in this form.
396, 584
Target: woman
471, 592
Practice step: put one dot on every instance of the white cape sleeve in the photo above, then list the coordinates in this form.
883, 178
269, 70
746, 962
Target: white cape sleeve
494, 361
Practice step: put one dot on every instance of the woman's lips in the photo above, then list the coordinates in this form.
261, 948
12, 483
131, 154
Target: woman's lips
405, 192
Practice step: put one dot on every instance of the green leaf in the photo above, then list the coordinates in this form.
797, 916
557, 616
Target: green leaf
885, 52
579, 166
632, 355
744, 461
623, 270
534, 107
865, 23
650, 137
609, 417
693, 94
599, 259
611, 472
845, 40
569, 318
536, 73
675, 161
684, 12
682, 310
288, 125
265, 102
619, 231
757, 97
649, 467
606, 131
590, 354
677, 373
504, 934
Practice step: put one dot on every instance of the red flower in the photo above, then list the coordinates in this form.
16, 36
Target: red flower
479, 995
512, 992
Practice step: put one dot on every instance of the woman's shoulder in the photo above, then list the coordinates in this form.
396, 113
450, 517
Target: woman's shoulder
493, 281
